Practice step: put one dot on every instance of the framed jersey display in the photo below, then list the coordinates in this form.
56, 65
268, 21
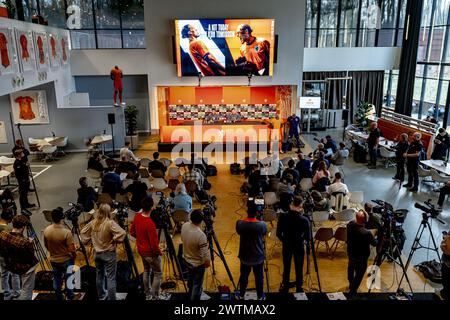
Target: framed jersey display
54, 50
65, 50
41, 48
29, 107
25, 50
8, 58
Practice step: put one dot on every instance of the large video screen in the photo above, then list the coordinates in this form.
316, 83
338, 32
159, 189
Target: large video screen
225, 47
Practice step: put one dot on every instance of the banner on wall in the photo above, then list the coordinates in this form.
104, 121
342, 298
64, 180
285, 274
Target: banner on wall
309, 102
29, 107
8, 60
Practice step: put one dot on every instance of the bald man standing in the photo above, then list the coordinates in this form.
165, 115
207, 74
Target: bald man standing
359, 240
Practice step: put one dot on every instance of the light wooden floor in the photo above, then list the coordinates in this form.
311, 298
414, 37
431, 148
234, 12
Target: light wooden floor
332, 271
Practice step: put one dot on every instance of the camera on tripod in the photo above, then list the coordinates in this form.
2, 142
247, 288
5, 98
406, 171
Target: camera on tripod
73, 212
258, 204
209, 211
428, 208
121, 210
160, 215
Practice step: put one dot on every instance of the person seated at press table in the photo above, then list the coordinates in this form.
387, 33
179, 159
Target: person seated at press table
127, 153
19, 145
303, 167
441, 145
294, 233
126, 166
155, 164
320, 203
321, 178
329, 143
182, 201
94, 162
400, 149
292, 171
138, 191
320, 158
111, 182
359, 240
338, 158
87, 196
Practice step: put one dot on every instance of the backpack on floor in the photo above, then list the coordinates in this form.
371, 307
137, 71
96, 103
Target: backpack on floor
211, 171
235, 168
43, 281
431, 270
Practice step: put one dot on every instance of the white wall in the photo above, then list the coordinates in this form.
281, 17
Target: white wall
351, 59
61, 76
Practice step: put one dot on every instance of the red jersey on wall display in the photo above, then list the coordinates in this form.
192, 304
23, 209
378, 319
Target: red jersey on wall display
40, 45
4, 50
26, 113
24, 46
63, 46
53, 45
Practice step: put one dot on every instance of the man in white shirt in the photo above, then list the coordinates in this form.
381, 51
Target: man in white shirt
127, 153
338, 185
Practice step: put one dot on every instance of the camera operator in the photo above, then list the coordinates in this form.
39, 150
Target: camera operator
18, 254
87, 196
8, 292
359, 240
144, 230
195, 253
104, 234
58, 240
22, 173
251, 251
293, 232
445, 246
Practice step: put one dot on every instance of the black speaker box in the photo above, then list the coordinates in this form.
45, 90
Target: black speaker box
111, 118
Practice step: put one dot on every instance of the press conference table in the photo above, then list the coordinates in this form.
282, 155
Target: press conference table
437, 165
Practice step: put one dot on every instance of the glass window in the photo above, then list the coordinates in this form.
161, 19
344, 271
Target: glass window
388, 23
87, 16
83, 39
108, 39
133, 14
348, 23
54, 12
369, 11
107, 14
328, 23
311, 23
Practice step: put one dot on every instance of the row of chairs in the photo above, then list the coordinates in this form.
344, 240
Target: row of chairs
436, 177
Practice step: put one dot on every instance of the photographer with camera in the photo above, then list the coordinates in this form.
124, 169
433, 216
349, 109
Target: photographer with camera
6, 276
104, 234
293, 232
445, 246
251, 251
58, 240
143, 229
359, 240
18, 254
195, 253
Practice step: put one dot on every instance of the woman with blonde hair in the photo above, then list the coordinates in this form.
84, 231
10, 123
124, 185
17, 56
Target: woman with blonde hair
104, 234
182, 201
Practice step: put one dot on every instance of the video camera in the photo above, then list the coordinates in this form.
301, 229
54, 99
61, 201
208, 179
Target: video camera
209, 210
121, 212
73, 212
428, 208
160, 214
258, 204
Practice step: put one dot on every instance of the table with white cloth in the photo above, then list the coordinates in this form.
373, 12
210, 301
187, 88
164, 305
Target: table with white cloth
438, 165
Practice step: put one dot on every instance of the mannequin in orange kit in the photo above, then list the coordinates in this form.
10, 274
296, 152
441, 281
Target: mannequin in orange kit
116, 76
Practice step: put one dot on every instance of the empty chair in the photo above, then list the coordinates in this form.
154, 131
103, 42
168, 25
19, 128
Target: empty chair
270, 198
166, 162
174, 172
345, 215
423, 174
356, 197
48, 152
179, 217
438, 178
95, 177
143, 172
159, 184
388, 156
338, 201
340, 236
145, 162
323, 235
157, 174
306, 184
320, 216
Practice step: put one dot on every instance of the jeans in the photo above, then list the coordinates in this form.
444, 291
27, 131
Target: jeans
373, 156
106, 264
10, 290
413, 173
258, 272
445, 190
298, 254
400, 175
60, 275
152, 264
195, 282
28, 284
355, 272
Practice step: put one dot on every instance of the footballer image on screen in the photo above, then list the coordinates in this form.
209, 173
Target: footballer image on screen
225, 47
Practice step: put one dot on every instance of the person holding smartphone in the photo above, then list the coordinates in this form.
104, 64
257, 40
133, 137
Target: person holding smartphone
445, 246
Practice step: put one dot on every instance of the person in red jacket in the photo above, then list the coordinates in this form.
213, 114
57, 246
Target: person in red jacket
116, 76
144, 230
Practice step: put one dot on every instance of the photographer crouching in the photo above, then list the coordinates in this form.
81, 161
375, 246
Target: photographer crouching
445, 246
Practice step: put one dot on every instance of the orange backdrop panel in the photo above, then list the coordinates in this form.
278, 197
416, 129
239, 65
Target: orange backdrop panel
262, 95
236, 95
208, 95
182, 95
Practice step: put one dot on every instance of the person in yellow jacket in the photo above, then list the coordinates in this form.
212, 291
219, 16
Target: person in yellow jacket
276, 134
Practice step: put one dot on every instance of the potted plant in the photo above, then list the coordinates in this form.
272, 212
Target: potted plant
362, 113
131, 113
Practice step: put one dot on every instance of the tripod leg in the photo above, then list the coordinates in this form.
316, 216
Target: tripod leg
222, 257
435, 247
313, 251
404, 270
174, 257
